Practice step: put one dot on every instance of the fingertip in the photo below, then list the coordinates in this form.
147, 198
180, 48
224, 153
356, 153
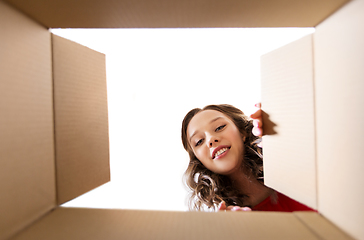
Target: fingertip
257, 131
229, 208
246, 209
256, 114
222, 206
235, 208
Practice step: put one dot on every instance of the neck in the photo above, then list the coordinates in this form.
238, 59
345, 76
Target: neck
248, 185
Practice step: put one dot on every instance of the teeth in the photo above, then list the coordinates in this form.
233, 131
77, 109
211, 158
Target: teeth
221, 151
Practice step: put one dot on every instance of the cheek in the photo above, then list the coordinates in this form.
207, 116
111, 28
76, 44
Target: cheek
203, 156
237, 138
200, 154
233, 135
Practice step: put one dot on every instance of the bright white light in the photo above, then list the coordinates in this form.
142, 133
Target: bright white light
154, 77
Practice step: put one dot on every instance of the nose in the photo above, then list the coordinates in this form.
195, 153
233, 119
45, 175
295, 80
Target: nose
213, 140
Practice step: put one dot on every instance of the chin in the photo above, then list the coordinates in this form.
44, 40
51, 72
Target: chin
230, 170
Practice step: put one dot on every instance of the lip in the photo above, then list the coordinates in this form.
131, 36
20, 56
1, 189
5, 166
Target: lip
217, 149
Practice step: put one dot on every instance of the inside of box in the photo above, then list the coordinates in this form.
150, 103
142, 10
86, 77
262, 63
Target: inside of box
177, 14
35, 131
288, 78
166, 225
27, 136
144, 68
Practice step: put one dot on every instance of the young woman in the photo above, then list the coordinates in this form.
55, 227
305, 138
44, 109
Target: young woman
225, 171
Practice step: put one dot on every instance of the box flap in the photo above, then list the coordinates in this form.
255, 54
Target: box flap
177, 13
321, 226
76, 223
81, 119
339, 64
27, 179
288, 99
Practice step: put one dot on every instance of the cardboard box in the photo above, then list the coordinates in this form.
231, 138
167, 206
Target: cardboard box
317, 84
54, 131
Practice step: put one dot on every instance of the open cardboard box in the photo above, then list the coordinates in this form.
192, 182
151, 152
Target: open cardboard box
54, 125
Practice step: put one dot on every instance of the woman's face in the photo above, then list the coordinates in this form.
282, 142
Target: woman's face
216, 141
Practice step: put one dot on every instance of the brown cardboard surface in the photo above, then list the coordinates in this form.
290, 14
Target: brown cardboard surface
339, 64
77, 223
177, 13
26, 122
288, 99
321, 226
27, 185
81, 119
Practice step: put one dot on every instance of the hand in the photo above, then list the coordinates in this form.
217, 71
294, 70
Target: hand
257, 123
222, 207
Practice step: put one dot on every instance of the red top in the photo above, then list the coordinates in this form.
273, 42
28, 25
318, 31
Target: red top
281, 203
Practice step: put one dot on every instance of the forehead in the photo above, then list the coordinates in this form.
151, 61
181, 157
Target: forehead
203, 119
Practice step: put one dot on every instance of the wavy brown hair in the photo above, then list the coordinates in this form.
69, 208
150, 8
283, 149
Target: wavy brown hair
207, 188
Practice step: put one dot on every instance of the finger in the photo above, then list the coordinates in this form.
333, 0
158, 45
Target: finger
236, 208
257, 114
222, 206
257, 123
241, 209
229, 208
257, 131
246, 209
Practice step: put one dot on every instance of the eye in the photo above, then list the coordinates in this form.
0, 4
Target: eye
199, 143
220, 128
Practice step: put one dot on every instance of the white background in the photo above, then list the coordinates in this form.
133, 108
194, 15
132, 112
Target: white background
154, 77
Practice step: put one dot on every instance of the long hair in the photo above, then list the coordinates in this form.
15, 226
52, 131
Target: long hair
208, 189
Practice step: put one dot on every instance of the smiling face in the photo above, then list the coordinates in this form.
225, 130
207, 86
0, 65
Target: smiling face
216, 141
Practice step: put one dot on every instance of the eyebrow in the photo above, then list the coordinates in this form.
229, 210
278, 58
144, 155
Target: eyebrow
213, 120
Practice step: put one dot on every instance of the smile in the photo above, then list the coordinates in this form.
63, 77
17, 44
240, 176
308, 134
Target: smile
220, 152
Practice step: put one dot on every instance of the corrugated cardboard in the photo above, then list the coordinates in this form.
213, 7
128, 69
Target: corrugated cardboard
323, 228
288, 98
47, 129
81, 119
74, 223
312, 90
177, 13
27, 183
35, 149
339, 86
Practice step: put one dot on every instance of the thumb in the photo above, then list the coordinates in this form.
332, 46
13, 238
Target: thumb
257, 114
222, 206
